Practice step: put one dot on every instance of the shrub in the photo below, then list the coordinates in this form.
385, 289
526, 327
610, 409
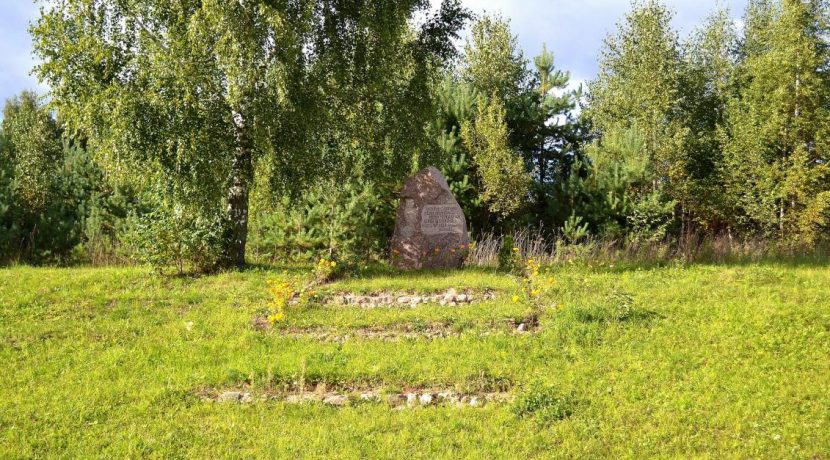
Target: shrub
324, 270
574, 229
173, 235
79, 221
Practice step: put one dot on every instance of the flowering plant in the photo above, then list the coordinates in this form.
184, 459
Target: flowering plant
297, 290
282, 292
324, 270
535, 285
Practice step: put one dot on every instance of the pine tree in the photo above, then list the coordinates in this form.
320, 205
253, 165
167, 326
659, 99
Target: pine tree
456, 104
557, 134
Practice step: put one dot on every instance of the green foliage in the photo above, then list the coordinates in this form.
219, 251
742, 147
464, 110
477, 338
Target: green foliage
172, 235
208, 103
8, 203
639, 80
53, 207
199, 92
502, 172
707, 85
34, 148
463, 186
492, 135
651, 218
493, 63
574, 229
775, 135
351, 222
635, 103
615, 307
456, 104
555, 157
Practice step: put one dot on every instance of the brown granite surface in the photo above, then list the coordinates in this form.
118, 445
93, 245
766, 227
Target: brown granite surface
430, 229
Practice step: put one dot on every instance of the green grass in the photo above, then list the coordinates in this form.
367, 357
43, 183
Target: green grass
701, 361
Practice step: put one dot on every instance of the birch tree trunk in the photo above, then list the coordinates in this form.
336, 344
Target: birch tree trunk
241, 175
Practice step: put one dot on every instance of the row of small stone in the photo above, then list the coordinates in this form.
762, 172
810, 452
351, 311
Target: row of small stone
397, 400
430, 333
449, 298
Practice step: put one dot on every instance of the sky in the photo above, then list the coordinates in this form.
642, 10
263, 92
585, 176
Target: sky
572, 29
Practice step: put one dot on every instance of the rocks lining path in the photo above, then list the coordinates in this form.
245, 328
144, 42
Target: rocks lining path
396, 332
410, 399
450, 297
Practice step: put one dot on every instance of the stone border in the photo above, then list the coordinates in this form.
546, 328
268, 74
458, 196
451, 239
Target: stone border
450, 297
394, 332
411, 399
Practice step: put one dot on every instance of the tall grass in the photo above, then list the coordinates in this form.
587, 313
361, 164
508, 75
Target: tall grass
555, 249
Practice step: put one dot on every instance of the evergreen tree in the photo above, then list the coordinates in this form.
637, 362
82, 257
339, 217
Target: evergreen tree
456, 105
558, 136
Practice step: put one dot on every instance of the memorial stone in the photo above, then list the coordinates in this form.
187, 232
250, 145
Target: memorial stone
430, 229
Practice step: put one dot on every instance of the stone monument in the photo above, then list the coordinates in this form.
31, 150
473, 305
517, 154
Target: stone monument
430, 229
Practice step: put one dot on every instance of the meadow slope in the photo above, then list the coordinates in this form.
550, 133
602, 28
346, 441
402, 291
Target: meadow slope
727, 361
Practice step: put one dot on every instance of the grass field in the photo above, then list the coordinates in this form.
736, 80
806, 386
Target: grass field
701, 361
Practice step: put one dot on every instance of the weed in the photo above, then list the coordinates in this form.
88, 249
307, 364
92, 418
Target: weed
545, 402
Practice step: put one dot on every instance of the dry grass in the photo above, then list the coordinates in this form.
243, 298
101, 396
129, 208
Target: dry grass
553, 249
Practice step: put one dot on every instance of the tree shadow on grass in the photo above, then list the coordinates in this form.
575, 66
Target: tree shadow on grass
387, 271
637, 315
613, 267
616, 307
